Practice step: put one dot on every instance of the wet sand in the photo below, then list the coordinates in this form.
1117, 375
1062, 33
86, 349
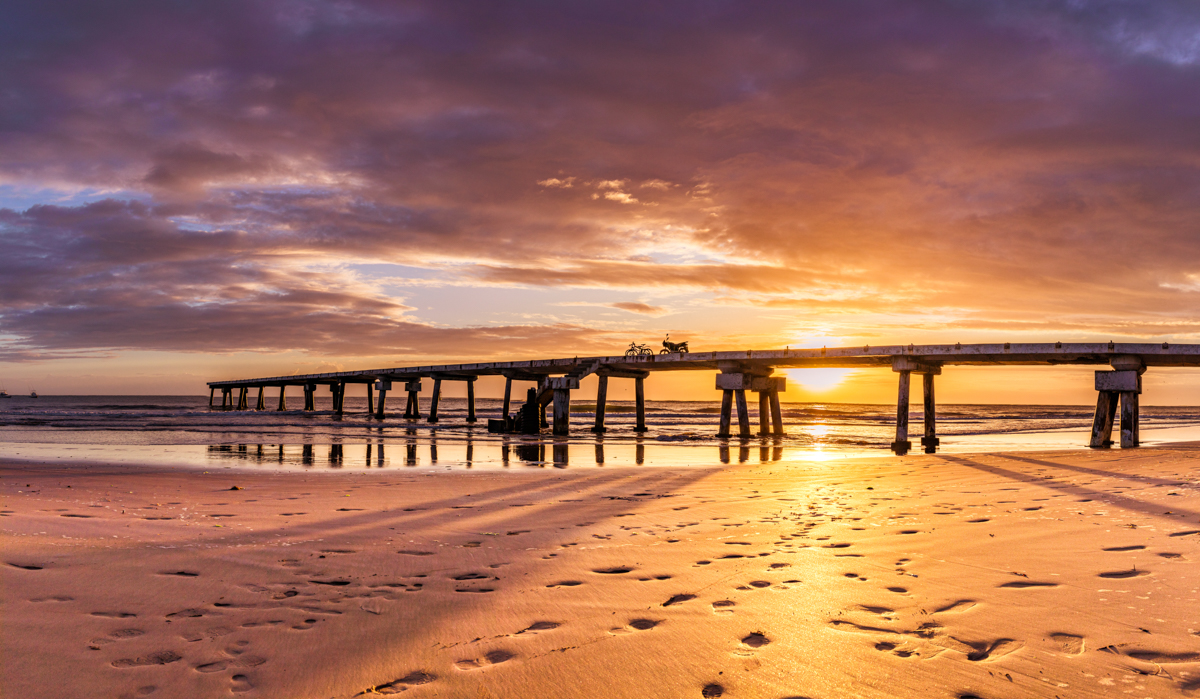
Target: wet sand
1001, 575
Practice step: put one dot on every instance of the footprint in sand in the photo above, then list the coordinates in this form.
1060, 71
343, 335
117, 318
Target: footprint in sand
565, 583
619, 570
412, 679
712, 690
756, 640
724, 606
162, 657
635, 625
305, 625
1121, 574
114, 615
677, 599
1172, 556
181, 573
961, 605
118, 635
979, 651
539, 626
25, 566
1124, 548
240, 684
1068, 643
493, 658
1024, 584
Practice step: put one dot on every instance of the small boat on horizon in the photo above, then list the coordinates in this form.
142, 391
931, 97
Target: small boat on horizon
33, 394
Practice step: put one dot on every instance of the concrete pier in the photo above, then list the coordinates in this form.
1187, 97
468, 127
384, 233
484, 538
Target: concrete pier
755, 370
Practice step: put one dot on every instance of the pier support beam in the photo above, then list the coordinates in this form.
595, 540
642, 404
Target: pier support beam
562, 411
1102, 424
930, 441
211, 391
384, 387
905, 366
601, 402
282, 398
726, 413
902, 445
370, 399
339, 391
310, 396
734, 381
743, 413
1113, 387
470, 401
433, 402
1130, 433
507, 397
412, 410
262, 404
639, 392
776, 413
244, 398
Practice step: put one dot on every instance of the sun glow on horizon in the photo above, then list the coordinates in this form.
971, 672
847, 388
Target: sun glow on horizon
819, 380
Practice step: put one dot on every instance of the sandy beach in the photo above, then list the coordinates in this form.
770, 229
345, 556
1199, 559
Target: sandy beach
1063, 574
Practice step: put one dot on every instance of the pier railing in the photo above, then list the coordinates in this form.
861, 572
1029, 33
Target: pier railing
741, 371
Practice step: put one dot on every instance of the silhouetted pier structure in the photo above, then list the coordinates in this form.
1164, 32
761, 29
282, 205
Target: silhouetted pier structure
738, 372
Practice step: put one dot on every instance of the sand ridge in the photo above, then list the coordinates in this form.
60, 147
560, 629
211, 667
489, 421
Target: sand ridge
1005, 575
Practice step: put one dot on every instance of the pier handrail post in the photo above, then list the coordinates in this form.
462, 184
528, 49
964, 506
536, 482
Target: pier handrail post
639, 391
601, 401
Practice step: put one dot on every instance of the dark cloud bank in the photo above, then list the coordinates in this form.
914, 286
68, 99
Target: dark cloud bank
1017, 164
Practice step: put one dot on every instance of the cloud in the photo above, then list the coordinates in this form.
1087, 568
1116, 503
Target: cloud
637, 307
989, 162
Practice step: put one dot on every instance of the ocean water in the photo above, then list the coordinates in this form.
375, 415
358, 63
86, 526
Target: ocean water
184, 431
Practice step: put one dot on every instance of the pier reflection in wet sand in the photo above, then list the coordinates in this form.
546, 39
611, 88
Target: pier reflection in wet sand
501, 453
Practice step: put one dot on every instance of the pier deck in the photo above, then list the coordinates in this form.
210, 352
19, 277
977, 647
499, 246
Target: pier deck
751, 370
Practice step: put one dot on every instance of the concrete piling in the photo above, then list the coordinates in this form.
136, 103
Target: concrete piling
601, 401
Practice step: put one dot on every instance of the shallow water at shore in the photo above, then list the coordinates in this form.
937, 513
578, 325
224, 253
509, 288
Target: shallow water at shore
184, 431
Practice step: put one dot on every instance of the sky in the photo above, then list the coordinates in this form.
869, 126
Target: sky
192, 191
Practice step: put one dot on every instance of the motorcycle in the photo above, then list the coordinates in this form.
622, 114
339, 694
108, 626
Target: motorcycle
636, 350
669, 347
